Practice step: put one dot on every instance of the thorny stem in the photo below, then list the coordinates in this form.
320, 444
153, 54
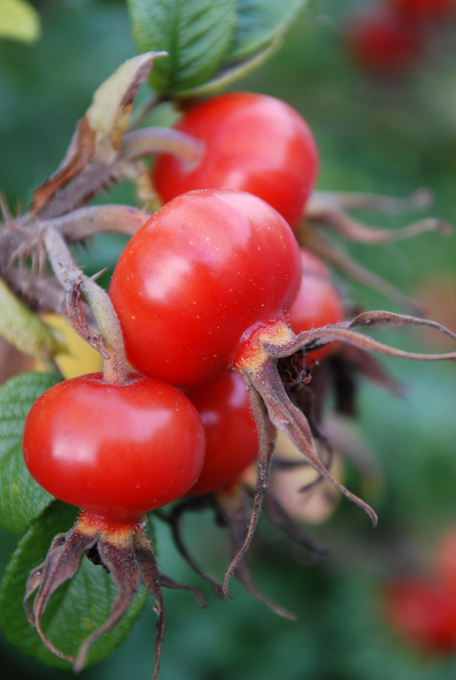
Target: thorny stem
20, 237
110, 341
86, 222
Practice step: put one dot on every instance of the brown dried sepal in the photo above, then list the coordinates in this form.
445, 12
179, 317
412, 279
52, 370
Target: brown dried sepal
174, 519
233, 505
232, 508
313, 238
124, 550
302, 492
273, 410
327, 211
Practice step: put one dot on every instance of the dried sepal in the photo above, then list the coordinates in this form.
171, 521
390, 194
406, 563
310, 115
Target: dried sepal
232, 511
124, 550
310, 400
169, 583
120, 562
359, 362
312, 238
233, 504
277, 515
267, 433
356, 200
109, 341
61, 563
329, 210
272, 408
174, 519
319, 337
354, 447
286, 417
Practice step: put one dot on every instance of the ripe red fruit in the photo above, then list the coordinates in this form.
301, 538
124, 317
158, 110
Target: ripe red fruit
317, 304
117, 451
195, 284
423, 613
312, 264
381, 44
231, 435
252, 142
203, 287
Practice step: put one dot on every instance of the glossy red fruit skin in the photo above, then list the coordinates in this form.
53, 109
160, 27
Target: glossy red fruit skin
317, 304
252, 142
117, 451
382, 45
423, 613
231, 435
198, 279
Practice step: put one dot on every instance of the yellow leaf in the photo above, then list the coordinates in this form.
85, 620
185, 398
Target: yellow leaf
112, 102
81, 357
23, 329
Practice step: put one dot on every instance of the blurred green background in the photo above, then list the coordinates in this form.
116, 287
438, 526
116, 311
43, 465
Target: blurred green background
386, 136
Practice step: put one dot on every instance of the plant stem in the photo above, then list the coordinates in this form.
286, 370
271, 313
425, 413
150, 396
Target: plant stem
109, 342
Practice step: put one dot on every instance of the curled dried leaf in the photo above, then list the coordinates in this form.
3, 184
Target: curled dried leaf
89, 163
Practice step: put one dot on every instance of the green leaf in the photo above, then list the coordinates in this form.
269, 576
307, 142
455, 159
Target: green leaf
19, 21
259, 23
22, 500
197, 34
24, 330
227, 76
74, 611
